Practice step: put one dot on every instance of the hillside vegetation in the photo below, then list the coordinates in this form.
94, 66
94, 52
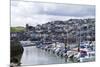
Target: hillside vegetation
17, 29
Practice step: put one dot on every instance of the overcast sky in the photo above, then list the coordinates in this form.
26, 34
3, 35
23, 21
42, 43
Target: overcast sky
35, 13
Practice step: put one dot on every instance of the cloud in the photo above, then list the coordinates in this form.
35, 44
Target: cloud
38, 13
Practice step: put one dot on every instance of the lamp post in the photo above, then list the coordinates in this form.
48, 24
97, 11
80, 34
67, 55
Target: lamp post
79, 39
65, 43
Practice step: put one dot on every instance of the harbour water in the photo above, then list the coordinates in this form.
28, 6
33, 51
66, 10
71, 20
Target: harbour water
36, 56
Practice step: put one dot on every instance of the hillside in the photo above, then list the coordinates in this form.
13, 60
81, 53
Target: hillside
17, 29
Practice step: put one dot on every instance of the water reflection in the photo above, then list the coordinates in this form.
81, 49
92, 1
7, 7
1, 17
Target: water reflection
35, 56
